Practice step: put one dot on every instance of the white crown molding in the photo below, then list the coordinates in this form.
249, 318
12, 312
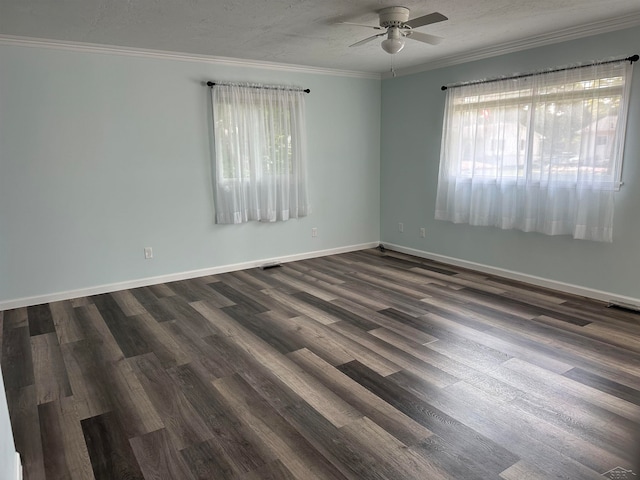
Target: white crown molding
573, 33
11, 40
521, 277
174, 277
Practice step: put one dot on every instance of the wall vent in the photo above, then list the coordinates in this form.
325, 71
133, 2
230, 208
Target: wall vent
624, 306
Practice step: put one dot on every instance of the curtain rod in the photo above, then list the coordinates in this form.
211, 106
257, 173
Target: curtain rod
306, 90
633, 58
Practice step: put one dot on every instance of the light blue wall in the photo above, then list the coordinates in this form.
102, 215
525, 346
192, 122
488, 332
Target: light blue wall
412, 110
104, 154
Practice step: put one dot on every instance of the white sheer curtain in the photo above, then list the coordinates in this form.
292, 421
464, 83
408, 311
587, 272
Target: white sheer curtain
260, 153
542, 153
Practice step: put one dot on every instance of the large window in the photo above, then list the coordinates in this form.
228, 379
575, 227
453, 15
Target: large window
538, 153
260, 153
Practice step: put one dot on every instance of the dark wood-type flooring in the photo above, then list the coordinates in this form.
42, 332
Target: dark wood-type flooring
356, 366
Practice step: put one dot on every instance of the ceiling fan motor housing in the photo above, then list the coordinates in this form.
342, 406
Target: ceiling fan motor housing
393, 16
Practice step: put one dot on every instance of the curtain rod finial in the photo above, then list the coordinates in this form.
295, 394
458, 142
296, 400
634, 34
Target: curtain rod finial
634, 58
443, 87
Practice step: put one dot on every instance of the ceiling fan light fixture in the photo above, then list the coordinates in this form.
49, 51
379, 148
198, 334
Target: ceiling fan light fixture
394, 41
393, 45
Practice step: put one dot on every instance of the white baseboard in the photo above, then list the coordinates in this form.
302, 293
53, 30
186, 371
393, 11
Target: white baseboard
18, 474
522, 277
143, 282
172, 277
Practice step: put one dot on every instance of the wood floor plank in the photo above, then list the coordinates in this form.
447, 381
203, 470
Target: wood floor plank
238, 298
339, 313
335, 409
109, 449
15, 318
422, 352
49, 370
162, 290
247, 287
298, 284
386, 322
554, 403
206, 460
439, 452
580, 390
17, 363
181, 421
486, 455
559, 440
280, 441
84, 366
490, 339
413, 290
194, 291
231, 440
40, 319
118, 389
523, 470
52, 446
352, 462
72, 438
94, 330
631, 395
132, 342
609, 333
144, 295
158, 458
571, 346
247, 277
399, 357
313, 336
301, 307
128, 303
160, 342
402, 427
393, 458
349, 348
275, 470
130, 401
65, 321
270, 332
489, 419
23, 410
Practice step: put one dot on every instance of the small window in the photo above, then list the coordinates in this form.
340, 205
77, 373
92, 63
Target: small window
260, 153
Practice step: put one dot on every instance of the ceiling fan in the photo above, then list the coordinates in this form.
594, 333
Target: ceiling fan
397, 26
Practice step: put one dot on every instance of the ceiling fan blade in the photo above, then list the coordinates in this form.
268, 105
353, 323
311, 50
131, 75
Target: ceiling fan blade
368, 39
376, 27
426, 20
424, 37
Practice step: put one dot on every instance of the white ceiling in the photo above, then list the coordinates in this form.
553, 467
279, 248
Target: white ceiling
305, 32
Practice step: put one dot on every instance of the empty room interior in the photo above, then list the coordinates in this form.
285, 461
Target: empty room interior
270, 239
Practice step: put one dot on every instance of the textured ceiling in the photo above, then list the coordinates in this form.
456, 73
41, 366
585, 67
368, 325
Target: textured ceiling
305, 32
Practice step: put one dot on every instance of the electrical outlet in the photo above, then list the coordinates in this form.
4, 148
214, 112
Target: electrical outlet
314, 232
400, 227
148, 253
423, 232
